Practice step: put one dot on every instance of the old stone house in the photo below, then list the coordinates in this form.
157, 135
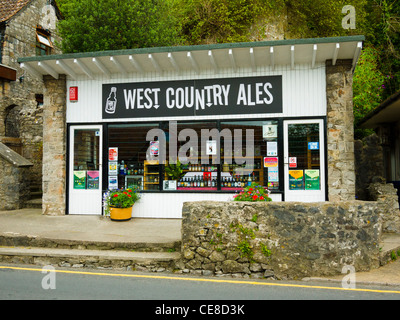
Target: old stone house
27, 28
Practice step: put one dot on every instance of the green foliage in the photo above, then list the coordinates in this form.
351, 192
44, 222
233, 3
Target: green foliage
120, 198
97, 25
265, 250
175, 171
245, 250
220, 21
254, 192
368, 83
393, 256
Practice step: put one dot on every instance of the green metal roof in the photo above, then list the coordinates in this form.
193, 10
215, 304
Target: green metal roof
198, 58
207, 47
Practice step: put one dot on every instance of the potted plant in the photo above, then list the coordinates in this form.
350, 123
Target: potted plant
118, 203
175, 171
254, 192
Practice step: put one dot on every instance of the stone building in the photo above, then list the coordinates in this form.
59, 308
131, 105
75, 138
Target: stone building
293, 96
27, 28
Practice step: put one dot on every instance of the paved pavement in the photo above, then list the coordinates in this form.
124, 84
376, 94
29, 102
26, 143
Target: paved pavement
30, 222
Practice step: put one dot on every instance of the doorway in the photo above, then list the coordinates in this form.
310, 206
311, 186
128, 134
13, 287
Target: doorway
304, 160
85, 170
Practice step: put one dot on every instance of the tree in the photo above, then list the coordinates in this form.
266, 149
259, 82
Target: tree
97, 25
368, 85
220, 21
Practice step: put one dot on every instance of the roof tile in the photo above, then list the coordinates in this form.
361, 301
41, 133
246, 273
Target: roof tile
8, 8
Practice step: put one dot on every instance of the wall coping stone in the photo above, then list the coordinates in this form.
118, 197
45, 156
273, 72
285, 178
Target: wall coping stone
12, 157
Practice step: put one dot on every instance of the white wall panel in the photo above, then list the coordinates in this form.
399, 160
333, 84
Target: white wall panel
169, 205
303, 89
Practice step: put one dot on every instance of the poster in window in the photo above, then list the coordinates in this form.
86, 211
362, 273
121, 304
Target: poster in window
112, 182
272, 148
112, 168
93, 179
270, 162
211, 147
112, 154
311, 178
296, 180
79, 179
273, 174
270, 131
154, 147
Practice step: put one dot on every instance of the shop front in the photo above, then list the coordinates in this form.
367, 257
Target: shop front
227, 115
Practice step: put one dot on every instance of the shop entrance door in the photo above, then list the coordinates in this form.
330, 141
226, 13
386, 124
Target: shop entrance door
85, 176
304, 162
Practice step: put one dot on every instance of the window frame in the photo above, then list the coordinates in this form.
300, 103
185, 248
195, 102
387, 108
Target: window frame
42, 48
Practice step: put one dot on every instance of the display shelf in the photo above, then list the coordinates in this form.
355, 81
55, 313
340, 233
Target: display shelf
151, 174
234, 173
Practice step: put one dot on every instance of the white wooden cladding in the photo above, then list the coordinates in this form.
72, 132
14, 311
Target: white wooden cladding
304, 92
169, 205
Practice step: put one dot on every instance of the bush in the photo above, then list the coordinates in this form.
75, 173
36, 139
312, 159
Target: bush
254, 192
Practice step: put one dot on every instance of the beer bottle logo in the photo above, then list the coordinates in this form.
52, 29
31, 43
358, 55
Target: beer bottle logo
111, 103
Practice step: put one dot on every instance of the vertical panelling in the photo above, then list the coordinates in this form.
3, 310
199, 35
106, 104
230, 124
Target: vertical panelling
169, 205
303, 92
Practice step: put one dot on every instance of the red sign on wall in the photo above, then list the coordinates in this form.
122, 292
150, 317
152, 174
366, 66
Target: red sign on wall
73, 94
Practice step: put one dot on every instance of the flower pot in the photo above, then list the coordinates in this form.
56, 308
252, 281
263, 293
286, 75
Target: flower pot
120, 214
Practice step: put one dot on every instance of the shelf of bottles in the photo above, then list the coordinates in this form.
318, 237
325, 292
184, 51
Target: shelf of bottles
198, 177
151, 175
130, 174
235, 177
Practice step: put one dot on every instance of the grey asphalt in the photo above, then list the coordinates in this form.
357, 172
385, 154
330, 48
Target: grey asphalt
31, 222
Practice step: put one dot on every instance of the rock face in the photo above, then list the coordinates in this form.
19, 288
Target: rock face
285, 240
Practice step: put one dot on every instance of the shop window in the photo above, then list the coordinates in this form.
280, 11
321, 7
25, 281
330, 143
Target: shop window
196, 149
212, 155
252, 156
43, 43
129, 165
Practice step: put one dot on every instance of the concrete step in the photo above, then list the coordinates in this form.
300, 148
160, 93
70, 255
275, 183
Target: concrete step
131, 260
390, 246
18, 240
35, 203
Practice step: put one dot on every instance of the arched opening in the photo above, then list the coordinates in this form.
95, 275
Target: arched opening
12, 121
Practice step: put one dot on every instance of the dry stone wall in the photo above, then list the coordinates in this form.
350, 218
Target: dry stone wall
285, 240
54, 146
340, 130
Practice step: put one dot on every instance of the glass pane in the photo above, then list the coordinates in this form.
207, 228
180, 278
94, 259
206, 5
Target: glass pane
304, 160
129, 166
198, 156
86, 159
263, 158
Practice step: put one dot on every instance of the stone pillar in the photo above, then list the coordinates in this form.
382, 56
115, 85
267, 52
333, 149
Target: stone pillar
340, 130
54, 145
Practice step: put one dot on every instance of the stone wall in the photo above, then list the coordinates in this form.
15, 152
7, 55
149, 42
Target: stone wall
368, 165
22, 94
280, 240
340, 137
371, 184
14, 189
386, 195
54, 145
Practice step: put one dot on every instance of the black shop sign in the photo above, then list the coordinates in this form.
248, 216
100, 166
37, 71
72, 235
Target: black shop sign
226, 96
